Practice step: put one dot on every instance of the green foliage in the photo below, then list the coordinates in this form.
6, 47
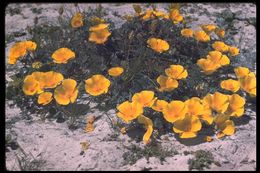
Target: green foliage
203, 159
153, 149
26, 164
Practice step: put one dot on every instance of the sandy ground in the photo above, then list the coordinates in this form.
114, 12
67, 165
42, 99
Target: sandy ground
60, 148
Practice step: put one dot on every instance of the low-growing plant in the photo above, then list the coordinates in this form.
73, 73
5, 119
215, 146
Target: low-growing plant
153, 149
203, 159
154, 69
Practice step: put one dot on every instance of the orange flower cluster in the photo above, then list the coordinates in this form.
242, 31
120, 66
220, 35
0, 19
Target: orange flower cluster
129, 111
214, 61
149, 14
175, 16
246, 81
37, 82
187, 117
222, 47
204, 34
20, 49
210, 28
173, 73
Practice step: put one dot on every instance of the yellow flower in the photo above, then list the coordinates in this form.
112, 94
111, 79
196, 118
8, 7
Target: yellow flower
67, 92
175, 16
208, 139
166, 83
176, 72
220, 32
115, 71
230, 85
30, 45
218, 58
48, 79
220, 46
174, 111
62, 55
97, 85
159, 14
158, 45
37, 65
218, 101
77, 20
159, 105
89, 124
148, 14
225, 124
234, 51
99, 33
98, 27
241, 72
52, 79
201, 36
145, 98
194, 106
31, 85
100, 36
166, 16
45, 98
129, 111
208, 28
236, 105
187, 127
148, 125
84, 145
19, 49
123, 130
186, 32
220, 135
207, 113
207, 65
248, 84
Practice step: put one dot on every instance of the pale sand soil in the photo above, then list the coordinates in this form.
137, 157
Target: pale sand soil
60, 147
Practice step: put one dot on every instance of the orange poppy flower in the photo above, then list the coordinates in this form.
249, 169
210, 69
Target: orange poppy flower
115, 71
97, 85
62, 55
187, 127
67, 92
201, 36
129, 111
45, 98
175, 110
77, 20
158, 45
166, 83
176, 72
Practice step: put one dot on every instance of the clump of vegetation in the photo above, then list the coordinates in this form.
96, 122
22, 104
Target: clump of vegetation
151, 150
28, 164
154, 69
10, 142
203, 159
